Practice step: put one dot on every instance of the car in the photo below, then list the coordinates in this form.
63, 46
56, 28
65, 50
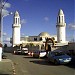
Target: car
18, 51
24, 51
42, 53
37, 53
58, 57
30, 53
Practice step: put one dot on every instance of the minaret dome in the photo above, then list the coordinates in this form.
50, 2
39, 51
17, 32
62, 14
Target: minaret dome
60, 12
16, 14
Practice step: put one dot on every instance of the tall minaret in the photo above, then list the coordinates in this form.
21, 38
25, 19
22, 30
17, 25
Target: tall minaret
61, 27
16, 29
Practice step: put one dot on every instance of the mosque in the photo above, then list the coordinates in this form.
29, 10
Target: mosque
41, 37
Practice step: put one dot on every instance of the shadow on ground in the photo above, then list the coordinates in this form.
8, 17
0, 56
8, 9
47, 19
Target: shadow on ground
43, 62
30, 57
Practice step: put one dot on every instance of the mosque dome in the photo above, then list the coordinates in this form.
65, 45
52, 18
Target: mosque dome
44, 34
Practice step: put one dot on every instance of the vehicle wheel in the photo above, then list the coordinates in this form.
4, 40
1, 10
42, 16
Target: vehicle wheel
55, 62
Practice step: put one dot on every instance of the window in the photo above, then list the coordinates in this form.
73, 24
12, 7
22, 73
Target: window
62, 18
40, 39
35, 39
16, 20
59, 19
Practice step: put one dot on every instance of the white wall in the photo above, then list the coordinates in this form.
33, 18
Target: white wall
61, 35
16, 35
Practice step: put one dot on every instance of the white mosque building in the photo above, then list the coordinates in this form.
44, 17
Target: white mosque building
40, 38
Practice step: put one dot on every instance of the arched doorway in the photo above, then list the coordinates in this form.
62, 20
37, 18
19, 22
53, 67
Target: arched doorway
48, 46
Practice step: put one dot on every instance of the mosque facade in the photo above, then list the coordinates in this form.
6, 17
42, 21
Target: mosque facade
40, 38
37, 40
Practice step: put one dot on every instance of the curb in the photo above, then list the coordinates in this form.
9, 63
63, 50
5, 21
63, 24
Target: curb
13, 67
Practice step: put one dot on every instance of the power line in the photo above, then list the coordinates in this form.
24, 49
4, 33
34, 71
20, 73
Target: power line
5, 2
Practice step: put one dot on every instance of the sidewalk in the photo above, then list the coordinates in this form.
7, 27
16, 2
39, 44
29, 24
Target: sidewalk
6, 67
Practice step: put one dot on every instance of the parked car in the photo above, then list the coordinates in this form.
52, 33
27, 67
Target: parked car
24, 50
37, 53
18, 51
30, 53
71, 52
58, 57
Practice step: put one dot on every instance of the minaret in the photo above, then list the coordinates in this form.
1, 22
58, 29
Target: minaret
16, 29
61, 27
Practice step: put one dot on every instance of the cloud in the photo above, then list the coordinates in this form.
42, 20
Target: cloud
72, 26
7, 39
6, 5
46, 18
4, 34
23, 34
23, 21
5, 12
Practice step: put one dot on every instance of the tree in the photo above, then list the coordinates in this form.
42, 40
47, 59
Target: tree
53, 38
31, 44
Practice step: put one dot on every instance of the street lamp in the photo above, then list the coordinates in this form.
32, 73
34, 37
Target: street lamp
2, 39
1, 26
1, 20
1, 7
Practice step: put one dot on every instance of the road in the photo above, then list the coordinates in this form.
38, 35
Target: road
26, 65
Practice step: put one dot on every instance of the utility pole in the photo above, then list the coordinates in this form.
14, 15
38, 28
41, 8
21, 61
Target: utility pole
1, 27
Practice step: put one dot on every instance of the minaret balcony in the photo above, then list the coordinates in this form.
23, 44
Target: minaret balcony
61, 25
16, 25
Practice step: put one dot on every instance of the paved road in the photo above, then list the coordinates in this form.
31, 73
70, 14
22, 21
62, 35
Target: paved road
25, 65
6, 67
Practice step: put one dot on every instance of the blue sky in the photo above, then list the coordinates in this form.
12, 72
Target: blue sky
39, 16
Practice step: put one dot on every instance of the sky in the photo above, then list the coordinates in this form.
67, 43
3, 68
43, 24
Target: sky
38, 16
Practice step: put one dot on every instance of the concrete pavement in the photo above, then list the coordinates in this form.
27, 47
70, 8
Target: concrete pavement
26, 65
6, 67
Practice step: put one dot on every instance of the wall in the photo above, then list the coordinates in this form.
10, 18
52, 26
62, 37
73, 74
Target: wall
9, 49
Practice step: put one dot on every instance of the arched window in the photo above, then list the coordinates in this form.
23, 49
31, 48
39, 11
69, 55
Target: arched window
35, 39
16, 20
59, 19
62, 18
